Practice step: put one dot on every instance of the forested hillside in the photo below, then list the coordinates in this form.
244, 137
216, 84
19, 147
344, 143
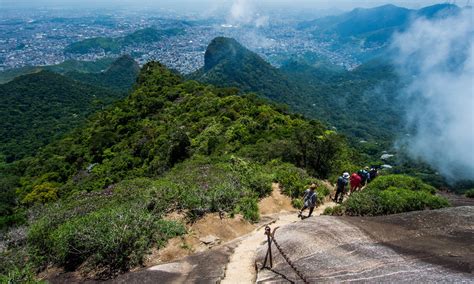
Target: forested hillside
41, 105
119, 76
38, 108
361, 104
366, 32
62, 68
171, 145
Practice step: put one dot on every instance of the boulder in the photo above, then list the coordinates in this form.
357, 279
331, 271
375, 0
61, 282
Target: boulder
424, 246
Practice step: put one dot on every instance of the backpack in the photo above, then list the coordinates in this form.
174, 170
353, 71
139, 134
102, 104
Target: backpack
364, 175
341, 182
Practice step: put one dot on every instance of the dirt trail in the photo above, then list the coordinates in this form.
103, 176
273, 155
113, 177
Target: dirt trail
241, 267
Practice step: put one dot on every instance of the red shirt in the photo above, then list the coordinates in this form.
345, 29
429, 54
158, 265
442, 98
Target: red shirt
355, 180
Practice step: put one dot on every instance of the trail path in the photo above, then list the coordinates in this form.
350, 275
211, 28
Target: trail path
241, 267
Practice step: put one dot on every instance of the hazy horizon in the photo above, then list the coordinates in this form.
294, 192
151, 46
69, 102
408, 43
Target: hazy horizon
206, 5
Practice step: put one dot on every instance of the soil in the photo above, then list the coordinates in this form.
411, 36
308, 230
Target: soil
214, 226
275, 203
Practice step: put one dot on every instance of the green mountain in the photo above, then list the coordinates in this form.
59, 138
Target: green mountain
367, 31
120, 75
62, 68
103, 190
228, 63
115, 45
359, 103
38, 108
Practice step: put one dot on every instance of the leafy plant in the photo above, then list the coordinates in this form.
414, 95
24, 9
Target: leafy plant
469, 193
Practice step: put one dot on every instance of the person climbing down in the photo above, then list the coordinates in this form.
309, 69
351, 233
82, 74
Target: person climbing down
355, 181
309, 199
342, 181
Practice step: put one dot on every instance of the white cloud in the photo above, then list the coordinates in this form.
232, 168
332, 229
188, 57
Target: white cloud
437, 59
244, 12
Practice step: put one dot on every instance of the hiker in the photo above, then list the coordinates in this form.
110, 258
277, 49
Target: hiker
342, 181
364, 175
373, 173
309, 199
355, 181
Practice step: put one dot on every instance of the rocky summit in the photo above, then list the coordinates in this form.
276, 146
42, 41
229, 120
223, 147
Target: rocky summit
424, 246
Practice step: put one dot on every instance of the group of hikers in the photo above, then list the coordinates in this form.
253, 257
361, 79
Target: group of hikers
356, 181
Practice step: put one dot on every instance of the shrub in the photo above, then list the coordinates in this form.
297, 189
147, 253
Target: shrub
401, 181
42, 193
13, 268
16, 219
322, 192
111, 239
337, 210
390, 195
297, 203
248, 206
293, 181
470, 193
20, 274
372, 202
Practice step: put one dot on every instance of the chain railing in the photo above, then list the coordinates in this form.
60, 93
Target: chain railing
268, 257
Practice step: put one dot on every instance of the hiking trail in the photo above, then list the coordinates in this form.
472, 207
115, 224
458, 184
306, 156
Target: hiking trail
241, 267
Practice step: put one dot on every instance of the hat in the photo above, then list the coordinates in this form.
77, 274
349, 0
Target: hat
345, 175
313, 185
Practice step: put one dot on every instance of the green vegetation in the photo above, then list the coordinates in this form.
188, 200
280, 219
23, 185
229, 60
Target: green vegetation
361, 104
364, 104
390, 195
368, 31
119, 76
38, 108
166, 121
62, 68
96, 199
294, 181
469, 193
115, 45
105, 232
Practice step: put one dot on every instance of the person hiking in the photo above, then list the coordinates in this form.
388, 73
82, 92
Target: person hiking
309, 199
342, 181
355, 181
373, 173
364, 175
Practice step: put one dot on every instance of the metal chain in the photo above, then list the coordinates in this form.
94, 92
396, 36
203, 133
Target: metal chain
288, 260
271, 239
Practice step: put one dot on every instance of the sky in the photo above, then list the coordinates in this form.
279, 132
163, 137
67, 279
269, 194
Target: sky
207, 4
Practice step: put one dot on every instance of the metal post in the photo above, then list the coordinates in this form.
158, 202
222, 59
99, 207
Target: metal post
269, 251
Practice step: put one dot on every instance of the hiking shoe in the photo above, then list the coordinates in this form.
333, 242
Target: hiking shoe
299, 215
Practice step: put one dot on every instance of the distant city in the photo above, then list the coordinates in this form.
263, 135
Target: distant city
40, 39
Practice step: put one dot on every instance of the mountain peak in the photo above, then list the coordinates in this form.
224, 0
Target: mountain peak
124, 62
222, 48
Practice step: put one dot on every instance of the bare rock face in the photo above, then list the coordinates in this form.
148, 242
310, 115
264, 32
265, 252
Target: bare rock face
424, 246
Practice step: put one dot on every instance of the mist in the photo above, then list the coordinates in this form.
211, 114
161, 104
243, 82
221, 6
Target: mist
203, 5
437, 60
